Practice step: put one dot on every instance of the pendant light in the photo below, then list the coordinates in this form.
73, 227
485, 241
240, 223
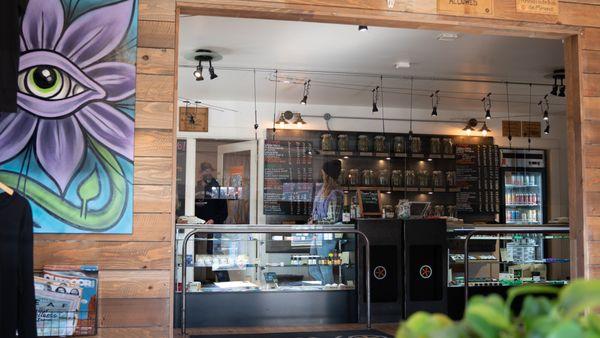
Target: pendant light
435, 100
484, 129
547, 129
487, 106
306, 92
363, 28
300, 121
375, 92
198, 72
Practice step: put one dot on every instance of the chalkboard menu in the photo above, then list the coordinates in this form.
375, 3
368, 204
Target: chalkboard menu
288, 175
477, 175
369, 203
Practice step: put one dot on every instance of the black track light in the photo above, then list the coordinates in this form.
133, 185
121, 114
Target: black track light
547, 130
546, 118
211, 70
306, 91
487, 106
375, 92
435, 100
554, 90
562, 89
363, 28
198, 72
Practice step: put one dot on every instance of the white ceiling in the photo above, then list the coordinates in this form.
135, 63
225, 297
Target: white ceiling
310, 47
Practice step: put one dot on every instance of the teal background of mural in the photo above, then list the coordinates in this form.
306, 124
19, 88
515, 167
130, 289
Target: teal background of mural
46, 222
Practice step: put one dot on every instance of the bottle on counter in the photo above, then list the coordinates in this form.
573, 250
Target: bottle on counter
346, 218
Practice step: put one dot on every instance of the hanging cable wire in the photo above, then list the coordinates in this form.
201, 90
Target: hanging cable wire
275, 107
255, 109
382, 114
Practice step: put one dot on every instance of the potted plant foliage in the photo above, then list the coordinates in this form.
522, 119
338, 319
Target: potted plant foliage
565, 316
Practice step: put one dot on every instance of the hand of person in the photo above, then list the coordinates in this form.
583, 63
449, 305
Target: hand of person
210, 221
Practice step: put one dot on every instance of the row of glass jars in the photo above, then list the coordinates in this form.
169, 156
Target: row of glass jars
410, 178
437, 145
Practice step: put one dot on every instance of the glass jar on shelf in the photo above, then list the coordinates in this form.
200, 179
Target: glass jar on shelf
379, 144
439, 210
451, 178
363, 143
326, 142
343, 178
397, 178
438, 179
399, 144
343, 143
368, 177
384, 178
354, 177
434, 145
448, 146
415, 145
424, 179
410, 178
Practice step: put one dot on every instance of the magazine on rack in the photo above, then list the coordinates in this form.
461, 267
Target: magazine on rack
84, 277
56, 313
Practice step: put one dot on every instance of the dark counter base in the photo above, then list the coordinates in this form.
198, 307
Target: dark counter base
237, 309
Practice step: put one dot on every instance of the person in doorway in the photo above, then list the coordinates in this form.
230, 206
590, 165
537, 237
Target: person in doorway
209, 204
327, 209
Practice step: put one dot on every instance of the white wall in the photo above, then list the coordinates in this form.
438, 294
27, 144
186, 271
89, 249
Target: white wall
239, 126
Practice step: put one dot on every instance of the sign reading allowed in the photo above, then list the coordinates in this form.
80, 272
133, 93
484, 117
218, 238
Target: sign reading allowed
466, 7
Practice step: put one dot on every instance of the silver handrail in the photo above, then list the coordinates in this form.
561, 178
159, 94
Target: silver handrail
286, 229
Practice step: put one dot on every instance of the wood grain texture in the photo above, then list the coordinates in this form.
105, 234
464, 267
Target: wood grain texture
590, 132
156, 34
153, 170
134, 284
153, 115
592, 179
152, 198
593, 253
156, 88
153, 143
153, 312
593, 223
157, 10
107, 255
579, 14
591, 154
590, 39
134, 332
592, 203
147, 227
590, 61
590, 107
158, 61
591, 85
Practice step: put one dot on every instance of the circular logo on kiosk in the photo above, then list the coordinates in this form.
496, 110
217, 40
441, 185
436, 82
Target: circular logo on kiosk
425, 271
379, 272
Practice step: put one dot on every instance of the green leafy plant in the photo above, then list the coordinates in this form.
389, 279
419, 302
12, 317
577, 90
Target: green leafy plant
565, 316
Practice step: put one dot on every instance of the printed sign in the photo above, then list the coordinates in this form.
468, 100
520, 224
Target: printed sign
466, 7
548, 7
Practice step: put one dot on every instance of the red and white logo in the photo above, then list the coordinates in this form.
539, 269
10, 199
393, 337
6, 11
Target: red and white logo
425, 271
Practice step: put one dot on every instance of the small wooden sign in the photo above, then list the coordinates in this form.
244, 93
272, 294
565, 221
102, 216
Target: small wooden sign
193, 119
466, 7
547, 7
369, 202
531, 129
515, 128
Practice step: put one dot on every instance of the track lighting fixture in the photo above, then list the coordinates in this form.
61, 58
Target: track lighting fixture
363, 28
435, 100
305, 93
547, 129
558, 90
375, 92
211, 70
562, 89
198, 72
487, 106
554, 90
484, 129
544, 107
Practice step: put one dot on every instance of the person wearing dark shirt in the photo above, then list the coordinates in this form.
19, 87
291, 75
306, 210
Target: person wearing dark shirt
17, 299
210, 205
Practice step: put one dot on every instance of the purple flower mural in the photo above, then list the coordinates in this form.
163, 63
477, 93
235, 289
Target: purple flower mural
74, 92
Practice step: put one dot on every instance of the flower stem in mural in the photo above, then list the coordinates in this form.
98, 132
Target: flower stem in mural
80, 217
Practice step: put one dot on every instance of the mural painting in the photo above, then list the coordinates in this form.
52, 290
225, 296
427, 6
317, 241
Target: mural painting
69, 147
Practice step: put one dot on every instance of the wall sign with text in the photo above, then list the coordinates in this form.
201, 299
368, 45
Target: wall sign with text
466, 7
548, 7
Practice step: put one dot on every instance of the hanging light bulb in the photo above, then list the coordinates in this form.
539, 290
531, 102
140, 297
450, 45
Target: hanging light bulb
487, 106
300, 122
363, 28
547, 130
375, 92
198, 72
434, 103
211, 70
468, 129
484, 129
306, 92
282, 121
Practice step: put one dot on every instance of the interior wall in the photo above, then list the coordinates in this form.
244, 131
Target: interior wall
239, 125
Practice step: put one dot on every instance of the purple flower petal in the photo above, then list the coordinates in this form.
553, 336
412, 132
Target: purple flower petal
117, 79
96, 33
110, 126
43, 23
15, 132
60, 148
57, 108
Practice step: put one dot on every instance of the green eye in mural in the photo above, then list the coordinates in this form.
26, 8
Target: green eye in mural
48, 82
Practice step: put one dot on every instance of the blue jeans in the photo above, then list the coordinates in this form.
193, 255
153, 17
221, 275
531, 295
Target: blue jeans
323, 273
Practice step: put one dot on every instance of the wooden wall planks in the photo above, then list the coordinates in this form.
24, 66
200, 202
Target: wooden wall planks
133, 312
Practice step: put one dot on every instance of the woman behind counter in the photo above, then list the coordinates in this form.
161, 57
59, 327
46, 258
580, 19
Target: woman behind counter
327, 209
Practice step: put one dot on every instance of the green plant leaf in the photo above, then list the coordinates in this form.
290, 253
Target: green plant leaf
422, 324
566, 329
534, 308
487, 316
90, 187
513, 293
578, 296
